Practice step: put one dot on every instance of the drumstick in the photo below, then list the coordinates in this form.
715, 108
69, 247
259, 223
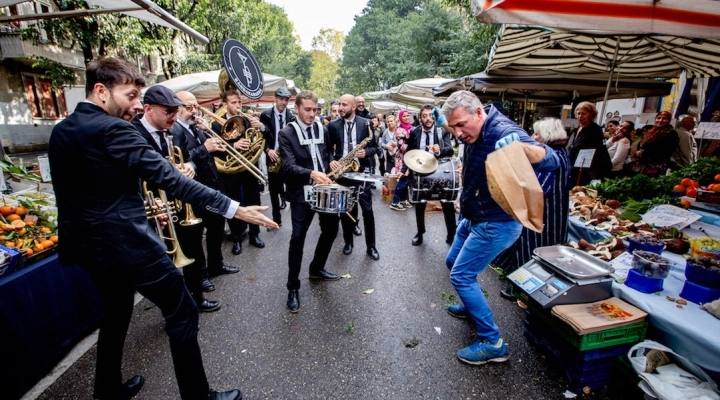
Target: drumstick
350, 216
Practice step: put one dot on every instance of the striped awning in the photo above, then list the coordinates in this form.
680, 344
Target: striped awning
574, 52
686, 18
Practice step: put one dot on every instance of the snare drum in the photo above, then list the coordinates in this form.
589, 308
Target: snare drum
332, 198
441, 185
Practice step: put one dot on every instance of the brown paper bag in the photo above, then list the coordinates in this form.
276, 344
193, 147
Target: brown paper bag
514, 186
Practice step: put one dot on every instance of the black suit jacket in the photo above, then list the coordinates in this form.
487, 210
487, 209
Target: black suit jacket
297, 162
178, 138
205, 170
105, 225
267, 118
337, 137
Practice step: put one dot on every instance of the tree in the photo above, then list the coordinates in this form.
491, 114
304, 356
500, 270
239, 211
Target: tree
330, 41
324, 75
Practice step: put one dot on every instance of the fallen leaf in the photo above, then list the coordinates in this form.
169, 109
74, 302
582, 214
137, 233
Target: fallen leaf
369, 291
569, 395
346, 276
438, 330
244, 350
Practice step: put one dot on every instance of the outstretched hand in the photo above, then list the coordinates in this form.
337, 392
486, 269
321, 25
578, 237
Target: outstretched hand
253, 215
502, 142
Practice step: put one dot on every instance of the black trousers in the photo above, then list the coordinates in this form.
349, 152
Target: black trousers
190, 239
365, 202
448, 209
302, 216
161, 283
276, 186
245, 189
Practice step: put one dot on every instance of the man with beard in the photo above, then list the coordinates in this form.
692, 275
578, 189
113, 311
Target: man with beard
274, 120
244, 186
345, 134
360, 109
305, 153
106, 230
436, 140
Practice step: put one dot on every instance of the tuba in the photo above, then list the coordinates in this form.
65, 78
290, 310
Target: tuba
154, 211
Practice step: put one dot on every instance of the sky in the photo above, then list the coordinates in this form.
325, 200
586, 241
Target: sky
309, 16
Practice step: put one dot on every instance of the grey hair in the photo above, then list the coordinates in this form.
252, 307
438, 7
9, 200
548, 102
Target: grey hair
461, 98
550, 129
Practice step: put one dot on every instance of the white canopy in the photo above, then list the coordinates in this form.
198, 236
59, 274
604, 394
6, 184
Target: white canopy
387, 106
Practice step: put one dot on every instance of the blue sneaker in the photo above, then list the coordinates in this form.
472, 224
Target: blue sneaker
482, 352
458, 311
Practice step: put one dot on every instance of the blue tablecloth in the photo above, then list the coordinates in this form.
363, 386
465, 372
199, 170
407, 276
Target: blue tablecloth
45, 309
689, 331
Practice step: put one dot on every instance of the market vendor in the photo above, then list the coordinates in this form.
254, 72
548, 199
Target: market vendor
656, 146
588, 136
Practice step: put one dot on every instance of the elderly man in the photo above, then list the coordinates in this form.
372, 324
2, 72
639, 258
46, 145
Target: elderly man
686, 151
485, 229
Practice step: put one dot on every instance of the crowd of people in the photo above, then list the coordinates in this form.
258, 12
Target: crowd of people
123, 138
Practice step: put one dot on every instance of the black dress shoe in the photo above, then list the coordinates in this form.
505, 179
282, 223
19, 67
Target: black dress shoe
373, 253
255, 241
293, 302
324, 275
417, 240
208, 305
357, 231
507, 294
283, 205
207, 286
126, 391
223, 270
229, 395
347, 250
237, 248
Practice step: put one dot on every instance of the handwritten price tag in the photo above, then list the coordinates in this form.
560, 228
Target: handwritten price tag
708, 131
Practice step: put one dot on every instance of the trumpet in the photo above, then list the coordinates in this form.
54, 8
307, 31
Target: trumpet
154, 211
176, 158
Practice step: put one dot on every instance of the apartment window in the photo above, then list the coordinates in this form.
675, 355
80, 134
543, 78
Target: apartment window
44, 102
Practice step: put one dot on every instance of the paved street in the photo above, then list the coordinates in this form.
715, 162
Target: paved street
343, 343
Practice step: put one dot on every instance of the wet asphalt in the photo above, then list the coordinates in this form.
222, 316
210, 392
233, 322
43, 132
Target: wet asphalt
343, 343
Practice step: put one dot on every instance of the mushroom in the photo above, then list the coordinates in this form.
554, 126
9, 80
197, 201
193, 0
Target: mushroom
574, 244
601, 253
584, 245
592, 221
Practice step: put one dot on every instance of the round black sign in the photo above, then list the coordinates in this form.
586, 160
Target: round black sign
242, 69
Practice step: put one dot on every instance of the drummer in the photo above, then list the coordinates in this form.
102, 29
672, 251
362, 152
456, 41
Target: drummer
437, 141
305, 154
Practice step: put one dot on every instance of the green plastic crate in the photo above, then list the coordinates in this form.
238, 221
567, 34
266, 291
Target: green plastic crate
610, 337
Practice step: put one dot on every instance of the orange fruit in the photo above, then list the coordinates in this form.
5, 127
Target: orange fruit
7, 210
46, 244
9, 244
717, 178
7, 227
45, 229
54, 239
716, 189
676, 189
29, 252
12, 217
685, 203
710, 187
37, 248
18, 224
20, 210
21, 231
30, 223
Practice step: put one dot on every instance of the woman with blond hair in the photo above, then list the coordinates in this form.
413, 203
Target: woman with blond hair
588, 136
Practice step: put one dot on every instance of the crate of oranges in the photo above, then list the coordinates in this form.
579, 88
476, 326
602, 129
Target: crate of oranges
29, 227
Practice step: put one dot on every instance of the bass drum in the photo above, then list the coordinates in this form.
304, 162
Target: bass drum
441, 185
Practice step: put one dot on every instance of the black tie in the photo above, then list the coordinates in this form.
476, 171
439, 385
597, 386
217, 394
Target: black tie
163, 143
427, 139
281, 121
309, 132
349, 137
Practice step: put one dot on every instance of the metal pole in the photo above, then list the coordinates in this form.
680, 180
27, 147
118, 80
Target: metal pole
607, 89
522, 123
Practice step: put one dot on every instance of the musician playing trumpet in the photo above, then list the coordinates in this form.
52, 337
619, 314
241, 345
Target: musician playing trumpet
244, 186
305, 154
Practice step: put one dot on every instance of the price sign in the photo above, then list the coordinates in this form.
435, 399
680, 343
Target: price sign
708, 131
584, 158
44, 165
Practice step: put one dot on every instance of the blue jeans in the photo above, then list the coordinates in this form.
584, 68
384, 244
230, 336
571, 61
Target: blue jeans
475, 246
400, 190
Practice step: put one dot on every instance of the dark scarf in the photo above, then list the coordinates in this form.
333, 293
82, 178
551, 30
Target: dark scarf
654, 134
557, 144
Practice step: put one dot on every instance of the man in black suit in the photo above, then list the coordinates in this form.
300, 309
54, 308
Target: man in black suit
305, 153
273, 120
345, 134
360, 109
437, 141
106, 230
162, 132
244, 186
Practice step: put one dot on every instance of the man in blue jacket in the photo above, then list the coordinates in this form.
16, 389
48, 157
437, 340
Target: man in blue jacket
484, 229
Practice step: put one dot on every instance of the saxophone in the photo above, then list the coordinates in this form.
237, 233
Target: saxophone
349, 162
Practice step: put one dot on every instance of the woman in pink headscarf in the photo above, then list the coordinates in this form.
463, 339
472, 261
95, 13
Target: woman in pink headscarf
656, 146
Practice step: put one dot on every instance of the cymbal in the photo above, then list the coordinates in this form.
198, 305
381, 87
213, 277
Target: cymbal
362, 176
421, 161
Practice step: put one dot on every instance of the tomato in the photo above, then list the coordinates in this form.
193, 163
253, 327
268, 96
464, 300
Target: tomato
695, 185
717, 178
716, 189
691, 192
710, 187
687, 182
679, 189
685, 203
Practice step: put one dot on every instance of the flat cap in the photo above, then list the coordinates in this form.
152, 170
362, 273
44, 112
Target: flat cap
282, 92
161, 95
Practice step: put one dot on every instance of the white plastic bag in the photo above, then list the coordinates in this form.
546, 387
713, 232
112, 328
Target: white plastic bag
678, 381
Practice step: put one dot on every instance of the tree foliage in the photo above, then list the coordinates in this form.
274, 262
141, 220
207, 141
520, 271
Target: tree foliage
394, 41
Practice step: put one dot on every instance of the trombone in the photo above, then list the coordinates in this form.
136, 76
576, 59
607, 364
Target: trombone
154, 211
231, 151
176, 159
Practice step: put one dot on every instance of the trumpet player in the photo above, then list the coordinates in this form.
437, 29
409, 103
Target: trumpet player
345, 134
305, 152
106, 231
243, 187
274, 119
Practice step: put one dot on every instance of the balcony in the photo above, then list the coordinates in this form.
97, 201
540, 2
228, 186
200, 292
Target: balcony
12, 46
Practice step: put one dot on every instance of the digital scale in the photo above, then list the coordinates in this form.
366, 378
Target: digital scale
562, 275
